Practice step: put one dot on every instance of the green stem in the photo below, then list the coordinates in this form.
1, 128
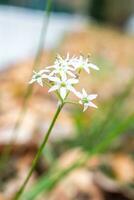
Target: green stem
19, 193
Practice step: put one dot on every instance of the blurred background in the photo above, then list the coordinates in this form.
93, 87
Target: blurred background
89, 156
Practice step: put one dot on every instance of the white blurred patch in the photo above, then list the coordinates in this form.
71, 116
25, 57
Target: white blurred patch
20, 31
130, 25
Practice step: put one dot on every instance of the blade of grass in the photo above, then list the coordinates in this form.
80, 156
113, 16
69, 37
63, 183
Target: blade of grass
28, 93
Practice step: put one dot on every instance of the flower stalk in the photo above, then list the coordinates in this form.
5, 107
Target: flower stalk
41, 148
61, 79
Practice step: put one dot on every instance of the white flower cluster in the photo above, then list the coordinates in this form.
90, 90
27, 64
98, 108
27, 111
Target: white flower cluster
63, 75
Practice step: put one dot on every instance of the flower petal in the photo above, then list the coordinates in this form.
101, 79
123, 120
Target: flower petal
43, 71
84, 93
53, 88
85, 107
34, 72
72, 81
78, 94
92, 104
50, 67
63, 76
32, 81
80, 102
63, 92
92, 96
71, 68
67, 56
54, 79
93, 66
40, 82
71, 74
86, 69
72, 89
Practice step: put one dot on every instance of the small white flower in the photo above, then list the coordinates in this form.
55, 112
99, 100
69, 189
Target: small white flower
61, 70
86, 99
38, 76
57, 75
83, 63
62, 66
63, 85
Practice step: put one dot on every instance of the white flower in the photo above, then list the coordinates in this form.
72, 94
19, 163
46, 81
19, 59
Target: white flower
63, 85
62, 66
38, 76
83, 63
86, 99
58, 78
